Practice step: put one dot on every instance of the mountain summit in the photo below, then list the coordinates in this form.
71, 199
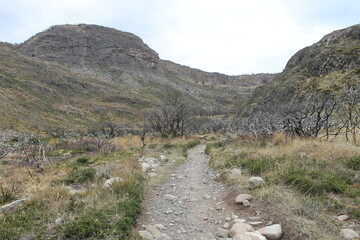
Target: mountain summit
89, 46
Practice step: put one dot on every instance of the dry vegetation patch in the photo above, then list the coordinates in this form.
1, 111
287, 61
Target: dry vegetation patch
308, 182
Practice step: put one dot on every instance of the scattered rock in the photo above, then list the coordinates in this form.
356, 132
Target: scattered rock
170, 197
240, 228
255, 223
226, 225
248, 236
76, 191
235, 172
14, 204
169, 211
58, 221
207, 197
145, 167
160, 226
349, 234
242, 197
145, 235
222, 233
256, 182
233, 217
152, 174
151, 160
342, 218
237, 221
154, 231
272, 232
246, 203
110, 182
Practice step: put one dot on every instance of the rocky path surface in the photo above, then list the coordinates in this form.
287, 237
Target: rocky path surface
189, 205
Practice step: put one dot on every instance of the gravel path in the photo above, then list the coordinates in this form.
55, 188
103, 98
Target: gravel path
190, 204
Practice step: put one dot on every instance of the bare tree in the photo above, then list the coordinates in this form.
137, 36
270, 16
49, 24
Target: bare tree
172, 119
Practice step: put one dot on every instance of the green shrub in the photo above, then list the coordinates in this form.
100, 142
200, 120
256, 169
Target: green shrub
80, 176
118, 221
9, 193
257, 166
168, 146
235, 160
353, 163
316, 181
94, 224
83, 160
153, 146
354, 212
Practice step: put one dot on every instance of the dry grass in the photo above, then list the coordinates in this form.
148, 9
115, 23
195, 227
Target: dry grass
51, 199
98, 212
308, 182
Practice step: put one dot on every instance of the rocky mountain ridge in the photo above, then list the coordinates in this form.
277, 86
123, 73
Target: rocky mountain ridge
100, 73
330, 65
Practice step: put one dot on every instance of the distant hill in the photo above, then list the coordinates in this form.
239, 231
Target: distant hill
78, 75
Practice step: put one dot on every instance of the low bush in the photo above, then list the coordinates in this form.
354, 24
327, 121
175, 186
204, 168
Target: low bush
77, 176
168, 146
83, 160
353, 163
316, 181
9, 193
257, 166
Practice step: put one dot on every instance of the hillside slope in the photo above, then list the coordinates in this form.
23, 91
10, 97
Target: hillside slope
78, 75
331, 65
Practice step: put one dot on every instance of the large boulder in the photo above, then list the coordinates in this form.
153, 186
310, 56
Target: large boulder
222, 233
248, 236
240, 228
272, 232
349, 234
256, 182
145, 235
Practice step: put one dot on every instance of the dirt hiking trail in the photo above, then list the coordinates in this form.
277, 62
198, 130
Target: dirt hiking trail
190, 205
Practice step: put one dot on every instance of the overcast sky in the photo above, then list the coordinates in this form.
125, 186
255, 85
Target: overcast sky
227, 36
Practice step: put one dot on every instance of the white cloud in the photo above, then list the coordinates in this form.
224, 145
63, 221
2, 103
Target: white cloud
230, 36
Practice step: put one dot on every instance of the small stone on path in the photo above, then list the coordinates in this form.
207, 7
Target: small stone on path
242, 197
145, 235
